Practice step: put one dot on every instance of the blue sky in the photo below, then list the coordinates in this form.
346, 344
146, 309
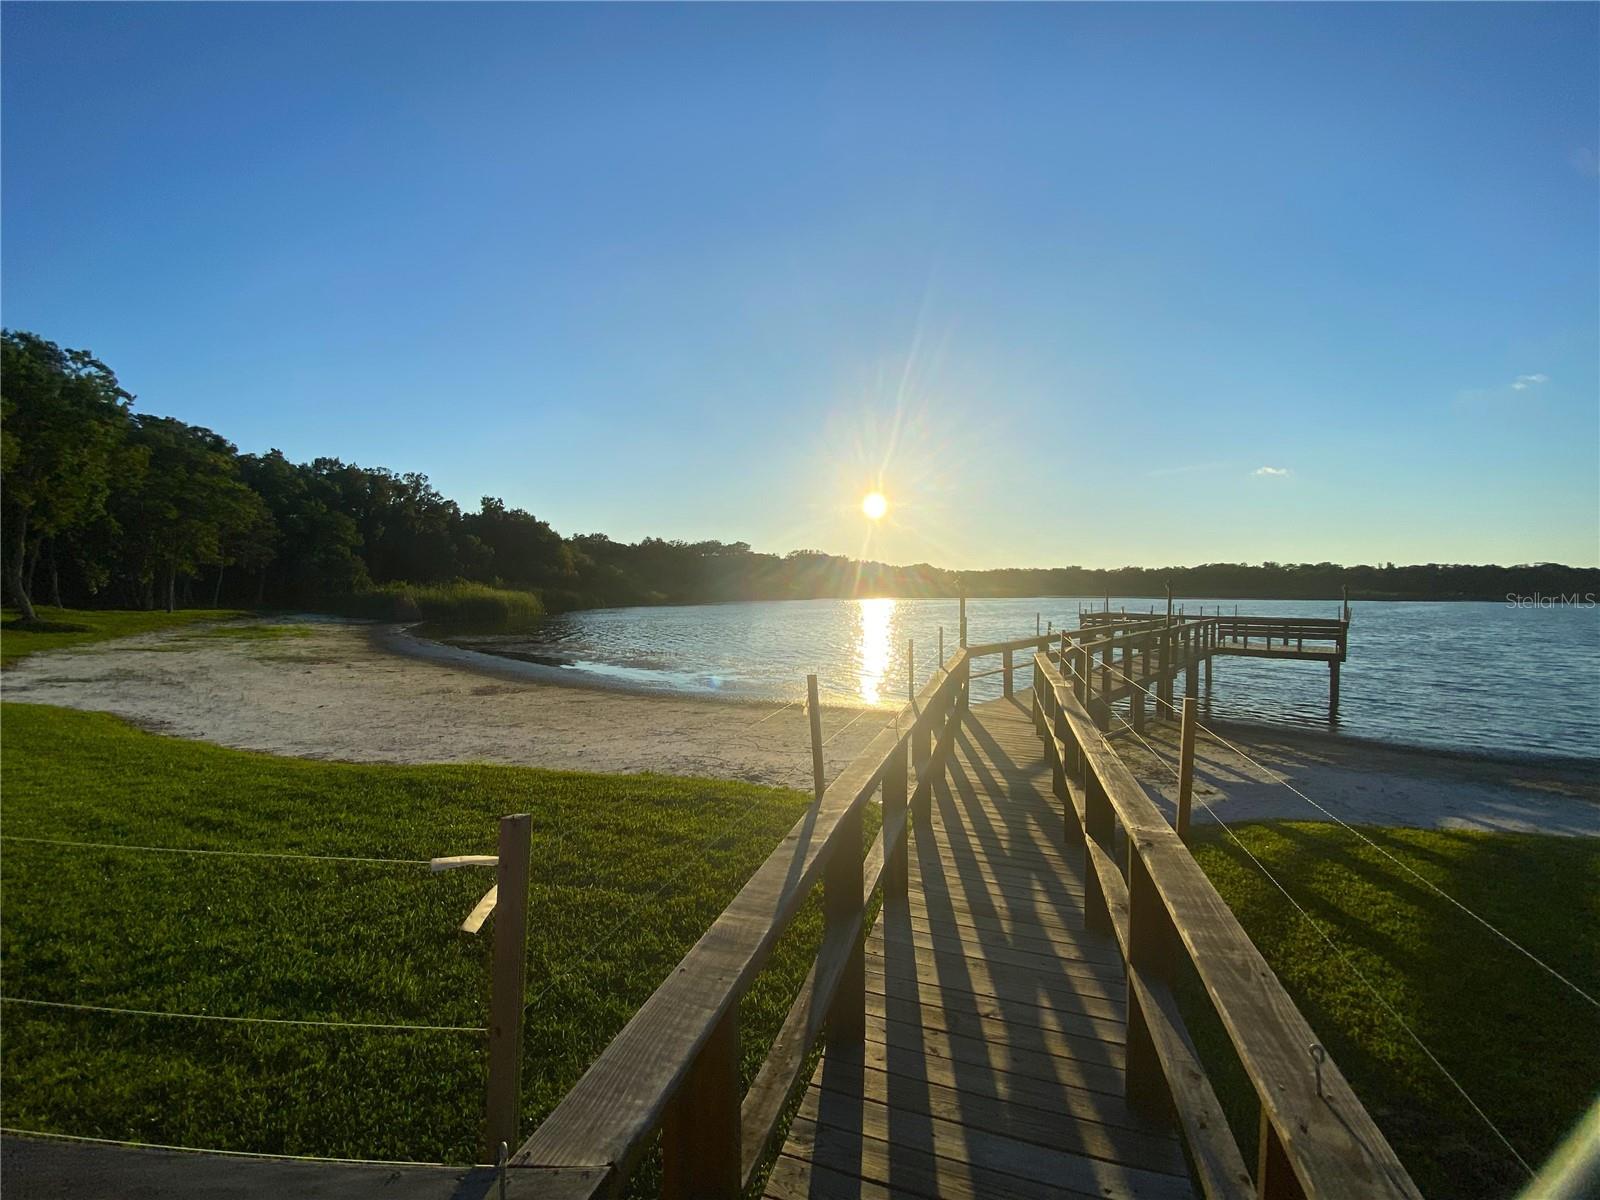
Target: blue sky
1064, 278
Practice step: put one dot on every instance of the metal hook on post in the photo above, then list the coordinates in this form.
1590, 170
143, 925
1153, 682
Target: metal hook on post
1318, 1057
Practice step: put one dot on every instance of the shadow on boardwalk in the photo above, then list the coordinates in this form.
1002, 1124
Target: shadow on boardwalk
993, 1058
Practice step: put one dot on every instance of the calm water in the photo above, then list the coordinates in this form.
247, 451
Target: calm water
1478, 677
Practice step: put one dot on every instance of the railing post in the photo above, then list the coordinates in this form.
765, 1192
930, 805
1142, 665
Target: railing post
1168, 670
1275, 1178
921, 752
963, 620
700, 1136
1135, 693
1150, 952
1186, 767
507, 984
1100, 711
896, 866
814, 710
841, 906
1005, 677
1071, 822
1099, 826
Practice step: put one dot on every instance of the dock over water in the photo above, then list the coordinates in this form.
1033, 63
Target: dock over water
997, 986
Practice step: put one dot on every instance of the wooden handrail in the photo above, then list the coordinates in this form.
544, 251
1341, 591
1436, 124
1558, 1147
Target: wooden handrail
1317, 1138
674, 1066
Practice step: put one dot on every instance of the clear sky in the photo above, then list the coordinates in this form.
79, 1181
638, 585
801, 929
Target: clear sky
1100, 285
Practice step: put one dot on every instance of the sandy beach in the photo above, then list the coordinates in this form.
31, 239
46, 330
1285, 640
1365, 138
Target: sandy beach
373, 693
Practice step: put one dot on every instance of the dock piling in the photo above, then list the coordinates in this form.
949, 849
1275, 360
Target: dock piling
1186, 767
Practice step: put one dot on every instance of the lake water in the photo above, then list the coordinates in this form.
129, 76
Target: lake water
1482, 677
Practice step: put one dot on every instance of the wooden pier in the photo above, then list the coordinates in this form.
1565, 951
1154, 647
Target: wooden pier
1008, 1024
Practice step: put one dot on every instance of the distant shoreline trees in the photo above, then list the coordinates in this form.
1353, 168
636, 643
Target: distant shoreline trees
105, 507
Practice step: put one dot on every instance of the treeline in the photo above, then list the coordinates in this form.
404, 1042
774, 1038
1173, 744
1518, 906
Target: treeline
105, 506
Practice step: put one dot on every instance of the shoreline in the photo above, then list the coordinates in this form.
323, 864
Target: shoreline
400, 640
352, 691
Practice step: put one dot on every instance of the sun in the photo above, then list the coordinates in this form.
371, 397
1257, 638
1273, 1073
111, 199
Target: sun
874, 505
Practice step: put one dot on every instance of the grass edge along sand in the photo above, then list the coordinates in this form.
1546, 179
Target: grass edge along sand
63, 628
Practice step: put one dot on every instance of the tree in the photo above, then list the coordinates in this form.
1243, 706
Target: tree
316, 546
188, 506
522, 548
63, 415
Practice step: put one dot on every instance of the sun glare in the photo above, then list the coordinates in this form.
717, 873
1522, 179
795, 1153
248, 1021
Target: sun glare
874, 504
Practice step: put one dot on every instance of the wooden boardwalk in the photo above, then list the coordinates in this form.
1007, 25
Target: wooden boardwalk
1008, 1025
996, 1024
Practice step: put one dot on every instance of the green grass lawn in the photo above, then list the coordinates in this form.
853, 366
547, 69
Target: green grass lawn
97, 626
627, 873
1524, 1046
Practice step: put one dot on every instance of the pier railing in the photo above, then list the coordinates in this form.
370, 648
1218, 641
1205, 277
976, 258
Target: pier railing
1144, 887
674, 1068
1265, 631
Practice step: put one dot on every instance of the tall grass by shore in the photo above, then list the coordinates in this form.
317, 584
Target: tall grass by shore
447, 607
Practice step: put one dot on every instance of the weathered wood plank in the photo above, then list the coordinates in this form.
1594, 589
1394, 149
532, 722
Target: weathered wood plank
1018, 987
911, 1010
961, 1161
1067, 1104
1011, 936
978, 1053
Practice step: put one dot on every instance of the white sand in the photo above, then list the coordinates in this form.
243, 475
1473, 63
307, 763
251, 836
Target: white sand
373, 694
368, 693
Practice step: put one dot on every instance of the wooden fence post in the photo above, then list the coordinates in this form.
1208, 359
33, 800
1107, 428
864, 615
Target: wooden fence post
1130, 668
841, 907
1005, 678
1150, 952
963, 620
814, 708
896, 868
911, 670
507, 982
700, 1135
1275, 1178
1186, 767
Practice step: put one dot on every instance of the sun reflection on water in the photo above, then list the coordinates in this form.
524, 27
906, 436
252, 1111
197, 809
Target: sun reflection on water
876, 617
